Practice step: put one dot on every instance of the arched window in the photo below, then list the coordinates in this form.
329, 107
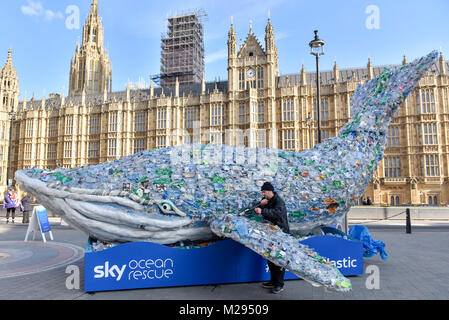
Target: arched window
435, 200
397, 200
430, 200
392, 201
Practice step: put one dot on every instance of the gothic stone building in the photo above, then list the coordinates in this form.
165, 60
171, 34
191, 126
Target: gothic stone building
255, 107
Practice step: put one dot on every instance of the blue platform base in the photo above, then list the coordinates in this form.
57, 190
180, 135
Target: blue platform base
136, 265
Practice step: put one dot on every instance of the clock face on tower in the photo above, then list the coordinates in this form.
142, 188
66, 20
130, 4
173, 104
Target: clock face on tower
251, 73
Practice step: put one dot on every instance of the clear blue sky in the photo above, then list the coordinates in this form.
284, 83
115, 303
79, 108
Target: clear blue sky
43, 45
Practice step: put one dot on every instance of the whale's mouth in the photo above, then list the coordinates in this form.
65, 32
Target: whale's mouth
115, 218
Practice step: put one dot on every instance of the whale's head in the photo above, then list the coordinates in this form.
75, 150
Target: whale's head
112, 215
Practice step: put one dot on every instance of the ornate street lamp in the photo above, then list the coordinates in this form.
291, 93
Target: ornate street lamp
317, 49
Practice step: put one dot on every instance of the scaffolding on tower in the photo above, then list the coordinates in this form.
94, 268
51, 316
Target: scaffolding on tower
182, 49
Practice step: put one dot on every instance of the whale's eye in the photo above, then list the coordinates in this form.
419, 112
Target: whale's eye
167, 207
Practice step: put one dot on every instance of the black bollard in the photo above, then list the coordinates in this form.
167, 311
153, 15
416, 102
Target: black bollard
408, 225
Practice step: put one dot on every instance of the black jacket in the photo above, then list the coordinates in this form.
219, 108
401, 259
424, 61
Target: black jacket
276, 213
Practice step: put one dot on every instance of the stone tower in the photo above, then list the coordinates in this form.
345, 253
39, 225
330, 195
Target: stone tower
252, 66
252, 73
9, 86
272, 56
90, 68
182, 55
9, 100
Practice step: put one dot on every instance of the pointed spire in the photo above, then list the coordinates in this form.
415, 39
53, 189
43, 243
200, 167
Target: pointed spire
92, 24
9, 54
231, 33
177, 87
203, 85
269, 37
336, 72
370, 69
303, 76
442, 64
63, 98
105, 94
92, 36
269, 27
43, 100
8, 69
232, 43
250, 26
128, 92
404, 60
151, 89
94, 7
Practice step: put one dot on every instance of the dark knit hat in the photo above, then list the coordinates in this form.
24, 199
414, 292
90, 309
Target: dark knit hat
267, 187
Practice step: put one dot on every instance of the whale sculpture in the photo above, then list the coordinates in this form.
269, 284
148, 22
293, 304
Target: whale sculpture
197, 192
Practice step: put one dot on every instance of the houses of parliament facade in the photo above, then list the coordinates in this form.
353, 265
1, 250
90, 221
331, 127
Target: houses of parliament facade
255, 107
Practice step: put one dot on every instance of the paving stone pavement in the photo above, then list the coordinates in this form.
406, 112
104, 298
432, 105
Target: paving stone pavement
417, 269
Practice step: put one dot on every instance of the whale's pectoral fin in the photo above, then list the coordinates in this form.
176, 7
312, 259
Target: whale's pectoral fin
282, 249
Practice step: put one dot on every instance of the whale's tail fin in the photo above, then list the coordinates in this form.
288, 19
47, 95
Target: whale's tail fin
342, 166
375, 102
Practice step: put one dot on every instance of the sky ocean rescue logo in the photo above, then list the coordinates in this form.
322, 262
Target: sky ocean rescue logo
144, 269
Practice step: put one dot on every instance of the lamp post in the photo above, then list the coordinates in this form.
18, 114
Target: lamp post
12, 117
317, 49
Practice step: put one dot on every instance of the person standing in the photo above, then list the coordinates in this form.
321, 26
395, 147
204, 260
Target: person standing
368, 201
273, 209
26, 204
10, 204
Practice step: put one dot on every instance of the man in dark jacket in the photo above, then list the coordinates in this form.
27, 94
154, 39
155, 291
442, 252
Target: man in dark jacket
26, 205
272, 208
